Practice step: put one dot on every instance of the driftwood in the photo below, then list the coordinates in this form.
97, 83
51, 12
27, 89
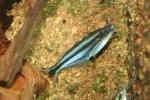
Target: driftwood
28, 83
4, 43
5, 22
11, 61
24, 81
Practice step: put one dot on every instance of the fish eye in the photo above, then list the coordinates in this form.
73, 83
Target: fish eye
110, 29
107, 31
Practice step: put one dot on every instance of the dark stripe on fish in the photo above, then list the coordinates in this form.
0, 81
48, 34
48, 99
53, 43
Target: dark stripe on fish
88, 47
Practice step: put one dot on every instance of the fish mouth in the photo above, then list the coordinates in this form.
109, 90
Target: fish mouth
112, 27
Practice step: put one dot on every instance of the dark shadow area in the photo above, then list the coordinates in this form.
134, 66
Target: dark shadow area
5, 20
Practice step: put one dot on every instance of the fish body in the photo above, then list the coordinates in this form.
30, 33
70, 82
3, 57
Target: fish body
82, 52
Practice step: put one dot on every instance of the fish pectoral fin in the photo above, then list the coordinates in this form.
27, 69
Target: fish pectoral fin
55, 78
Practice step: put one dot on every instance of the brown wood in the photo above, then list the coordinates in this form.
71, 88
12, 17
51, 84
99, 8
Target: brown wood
28, 83
4, 43
11, 61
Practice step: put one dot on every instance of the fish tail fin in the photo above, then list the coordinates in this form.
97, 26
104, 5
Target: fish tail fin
51, 71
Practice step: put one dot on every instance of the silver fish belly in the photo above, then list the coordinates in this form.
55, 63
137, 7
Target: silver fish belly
82, 52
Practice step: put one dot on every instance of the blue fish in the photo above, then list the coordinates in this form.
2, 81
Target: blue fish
87, 48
